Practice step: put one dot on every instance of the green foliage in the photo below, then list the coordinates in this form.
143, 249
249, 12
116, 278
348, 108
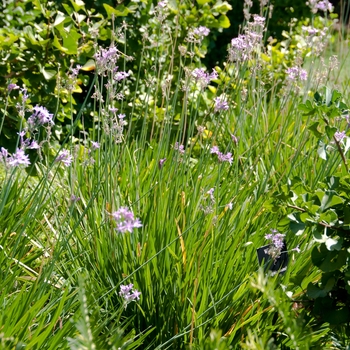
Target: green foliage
40, 42
323, 211
204, 213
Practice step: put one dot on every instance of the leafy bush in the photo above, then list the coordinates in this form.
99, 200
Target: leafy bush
142, 232
323, 210
42, 42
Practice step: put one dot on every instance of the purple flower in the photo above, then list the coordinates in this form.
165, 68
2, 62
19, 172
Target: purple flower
4, 153
215, 150
275, 248
75, 71
162, 4
222, 157
129, 294
180, 148
303, 74
106, 60
74, 198
220, 104
126, 221
234, 139
310, 30
40, 116
136, 295
296, 249
241, 43
225, 157
258, 21
161, 163
64, 157
201, 31
95, 145
21, 135
11, 87
324, 5
113, 109
25, 95
339, 135
121, 76
19, 158
33, 145
202, 77
295, 73
125, 289
240, 48
211, 194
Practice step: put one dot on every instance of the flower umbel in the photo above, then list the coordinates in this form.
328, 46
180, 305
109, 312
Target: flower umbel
129, 294
277, 244
125, 220
64, 157
40, 116
295, 73
222, 157
220, 104
180, 148
18, 158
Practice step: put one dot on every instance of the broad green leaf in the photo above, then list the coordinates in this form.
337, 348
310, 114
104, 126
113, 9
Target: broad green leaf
315, 292
70, 42
78, 5
224, 21
202, 2
89, 66
222, 7
119, 11
297, 228
313, 129
48, 74
306, 108
347, 215
336, 95
68, 8
58, 45
337, 317
330, 131
328, 100
318, 98
330, 199
79, 17
8, 40
328, 260
59, 18
330, 216
322, 150
333, 182
173, 5
333, 244
28, 33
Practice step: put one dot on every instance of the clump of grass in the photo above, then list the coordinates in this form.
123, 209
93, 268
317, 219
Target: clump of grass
174, 204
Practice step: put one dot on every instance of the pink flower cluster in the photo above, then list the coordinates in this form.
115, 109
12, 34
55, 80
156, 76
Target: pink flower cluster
40, 116
202, 77
125, 220
222, 157
16, 159
129, 294
295, 73
277, 243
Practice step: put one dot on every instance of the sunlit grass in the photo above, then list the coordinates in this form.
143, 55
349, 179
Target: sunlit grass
194, 258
